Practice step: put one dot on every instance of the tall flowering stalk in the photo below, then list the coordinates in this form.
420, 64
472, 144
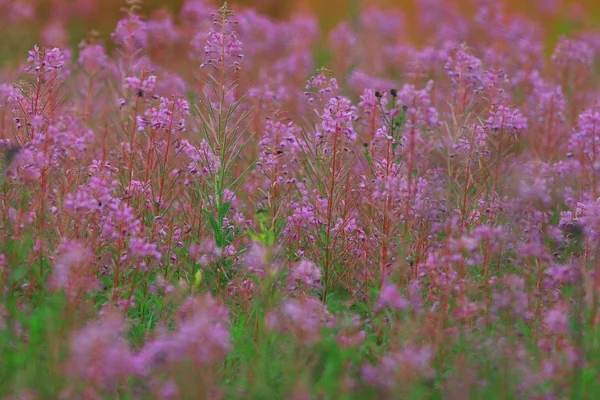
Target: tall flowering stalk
326, 190
222, 125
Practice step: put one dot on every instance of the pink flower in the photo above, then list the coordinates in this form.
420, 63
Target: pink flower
222, 47
308, 273
131, 33
92, 57
100, 354
508, 119
202, 336
72, 269
390, 297
557, 320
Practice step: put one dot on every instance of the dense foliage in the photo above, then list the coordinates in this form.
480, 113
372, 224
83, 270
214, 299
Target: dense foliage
200, 209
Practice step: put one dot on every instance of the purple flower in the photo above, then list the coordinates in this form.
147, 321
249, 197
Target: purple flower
72, 269
410, 360
465, 69
557, 320
162, 31
302, 318
100, 354
307, 272
136, 84
390, 297
131, 33
202, 336
338, 117
48, 59
92, 57
222, 47
569, 50
142, 248
507, 119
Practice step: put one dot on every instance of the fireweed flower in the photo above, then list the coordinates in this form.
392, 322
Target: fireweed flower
142, 248
410, 360
556, 320
370, 103
222, 47
357, 191
465, 70
390, 297
72, 269
304, 319
343, 41
569, 50
49, 60
170, 114
360, 81
131, 33
321, 87
507, 119
201, 336
419, 112
96, 195
306, 272
547, 103
342, 37
100, 354
141, 87
585, 138
18, 11
162, 31
92, 57
260, 34
279, 147
52, 59
203, 162
260, 261
194, 12
338, 117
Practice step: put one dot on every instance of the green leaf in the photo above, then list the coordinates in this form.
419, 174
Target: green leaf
217, 232
197, 279
368, 157
254, 236
224, 210
19, 273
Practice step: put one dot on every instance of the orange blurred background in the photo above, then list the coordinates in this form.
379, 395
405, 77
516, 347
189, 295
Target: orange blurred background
103, 15
570, 12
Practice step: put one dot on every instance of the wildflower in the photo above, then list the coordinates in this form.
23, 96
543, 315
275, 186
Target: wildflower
100, 354
557, 321
72, 269
48, 60
259, 261
223, 48
465, 69
308, 273
410, 360
302, 318
141, 248
92, 57
131, 33
506, 118
162, 31
569, 50
202, 336
139, 86
338, 117
390, 297
342, 39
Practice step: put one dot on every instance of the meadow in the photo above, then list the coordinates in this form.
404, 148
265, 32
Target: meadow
221, 204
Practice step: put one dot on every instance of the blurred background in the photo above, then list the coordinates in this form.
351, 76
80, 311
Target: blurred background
25, 22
